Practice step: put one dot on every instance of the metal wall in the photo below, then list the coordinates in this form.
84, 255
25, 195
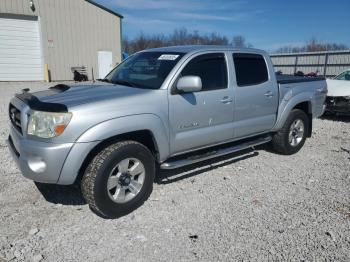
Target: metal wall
72, 32
328, 63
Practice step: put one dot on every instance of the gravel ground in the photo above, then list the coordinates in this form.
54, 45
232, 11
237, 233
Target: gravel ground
254, 206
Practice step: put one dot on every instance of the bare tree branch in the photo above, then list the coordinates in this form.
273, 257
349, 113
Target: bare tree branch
180, 36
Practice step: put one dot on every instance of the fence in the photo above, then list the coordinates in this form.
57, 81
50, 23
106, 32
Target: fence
328, 63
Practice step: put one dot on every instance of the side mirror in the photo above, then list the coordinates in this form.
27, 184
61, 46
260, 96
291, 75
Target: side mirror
189, 84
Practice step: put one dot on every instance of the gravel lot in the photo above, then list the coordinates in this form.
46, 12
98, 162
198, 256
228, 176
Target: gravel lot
256, 206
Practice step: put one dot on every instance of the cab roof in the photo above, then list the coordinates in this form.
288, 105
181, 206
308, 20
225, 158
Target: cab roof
197, 48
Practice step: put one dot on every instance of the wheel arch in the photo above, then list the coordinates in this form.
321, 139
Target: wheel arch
306, 107
303, 102
144, 137
146, 129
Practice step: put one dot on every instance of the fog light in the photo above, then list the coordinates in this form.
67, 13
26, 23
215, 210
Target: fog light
36, 164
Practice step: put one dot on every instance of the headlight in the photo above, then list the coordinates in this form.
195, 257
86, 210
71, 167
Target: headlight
47, 124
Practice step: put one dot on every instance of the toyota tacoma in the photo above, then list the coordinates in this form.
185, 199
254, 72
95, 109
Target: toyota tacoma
165, 107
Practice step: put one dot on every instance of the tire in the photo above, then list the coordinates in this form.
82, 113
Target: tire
281, 141
117, 165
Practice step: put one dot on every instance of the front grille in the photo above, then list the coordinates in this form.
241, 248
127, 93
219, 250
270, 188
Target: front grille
15, 117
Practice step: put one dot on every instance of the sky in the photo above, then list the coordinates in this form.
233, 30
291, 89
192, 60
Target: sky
266, 24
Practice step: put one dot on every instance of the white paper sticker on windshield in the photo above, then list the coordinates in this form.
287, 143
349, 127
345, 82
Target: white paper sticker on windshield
168, 57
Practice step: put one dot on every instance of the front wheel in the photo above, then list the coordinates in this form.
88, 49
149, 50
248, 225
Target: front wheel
119, 179
291, 138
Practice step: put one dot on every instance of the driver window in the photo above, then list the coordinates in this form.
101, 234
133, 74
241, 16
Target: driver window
211, 68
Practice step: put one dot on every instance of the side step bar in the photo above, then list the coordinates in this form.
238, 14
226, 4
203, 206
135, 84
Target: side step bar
172, 164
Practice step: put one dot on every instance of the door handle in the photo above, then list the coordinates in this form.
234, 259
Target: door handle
226, 100
269, 94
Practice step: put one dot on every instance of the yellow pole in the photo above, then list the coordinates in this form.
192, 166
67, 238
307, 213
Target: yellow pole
46, 73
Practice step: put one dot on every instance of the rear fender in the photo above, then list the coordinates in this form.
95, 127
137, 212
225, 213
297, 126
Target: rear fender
287, 105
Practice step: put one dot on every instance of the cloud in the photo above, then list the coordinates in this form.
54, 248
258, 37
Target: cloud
134, 25
201, 16
206, 10
152, 4
140, 21
274, 46
163, 16
204, 5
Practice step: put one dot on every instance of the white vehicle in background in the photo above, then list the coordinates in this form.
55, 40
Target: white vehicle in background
338, 97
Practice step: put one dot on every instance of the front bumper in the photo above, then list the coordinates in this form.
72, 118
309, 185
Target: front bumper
38, 161
338, 105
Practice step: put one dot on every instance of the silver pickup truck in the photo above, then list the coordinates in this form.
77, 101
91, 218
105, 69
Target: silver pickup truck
165, 107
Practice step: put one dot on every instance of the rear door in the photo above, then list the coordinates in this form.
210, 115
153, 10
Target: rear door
256, 95
202, 118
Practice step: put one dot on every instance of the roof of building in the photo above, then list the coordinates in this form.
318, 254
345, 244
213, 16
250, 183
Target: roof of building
104, 8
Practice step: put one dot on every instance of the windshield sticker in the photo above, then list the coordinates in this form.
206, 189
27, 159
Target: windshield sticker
168, 57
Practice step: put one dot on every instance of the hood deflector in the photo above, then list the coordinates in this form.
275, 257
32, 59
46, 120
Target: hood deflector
34, 103
60, 87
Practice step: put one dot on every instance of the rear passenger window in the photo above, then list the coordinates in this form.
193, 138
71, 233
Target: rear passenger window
250, 69
211, 68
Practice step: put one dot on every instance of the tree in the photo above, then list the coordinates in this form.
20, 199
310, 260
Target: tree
313, 45
238, 41
180, 36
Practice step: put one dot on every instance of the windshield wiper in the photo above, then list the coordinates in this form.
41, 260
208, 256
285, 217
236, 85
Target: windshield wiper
104, 80
121, 82
124, 82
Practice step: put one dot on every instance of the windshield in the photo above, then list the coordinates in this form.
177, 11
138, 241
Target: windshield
144, 70
343, 76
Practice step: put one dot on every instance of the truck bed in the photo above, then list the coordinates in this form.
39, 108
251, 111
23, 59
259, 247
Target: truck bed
287, 79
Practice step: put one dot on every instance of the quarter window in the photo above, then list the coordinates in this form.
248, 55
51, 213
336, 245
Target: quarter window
250, 69
211, 68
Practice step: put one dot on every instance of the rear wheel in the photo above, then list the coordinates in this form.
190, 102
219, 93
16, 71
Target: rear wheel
119, 179
291, 138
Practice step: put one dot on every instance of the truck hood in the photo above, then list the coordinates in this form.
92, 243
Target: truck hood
75, 95
338, 87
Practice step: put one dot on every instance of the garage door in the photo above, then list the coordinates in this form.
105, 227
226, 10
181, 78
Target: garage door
20, 50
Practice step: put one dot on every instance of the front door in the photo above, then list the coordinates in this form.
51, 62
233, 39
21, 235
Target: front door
202, 118
105, 64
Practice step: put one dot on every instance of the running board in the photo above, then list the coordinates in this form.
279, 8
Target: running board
176, 163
